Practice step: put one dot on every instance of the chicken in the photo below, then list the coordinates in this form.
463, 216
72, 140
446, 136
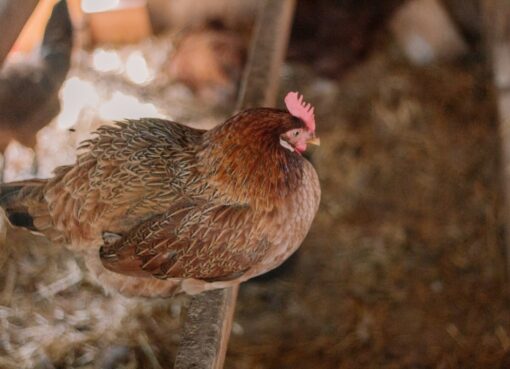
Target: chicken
158, 208
29, 91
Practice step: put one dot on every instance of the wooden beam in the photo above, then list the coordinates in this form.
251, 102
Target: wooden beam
467, 15
496, 17
207, 327
206, 330
13, 16
2, 167
267, 52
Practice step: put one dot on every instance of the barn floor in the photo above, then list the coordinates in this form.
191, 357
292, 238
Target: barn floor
403, 268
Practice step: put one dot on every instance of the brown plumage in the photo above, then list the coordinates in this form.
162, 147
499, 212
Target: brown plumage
158, 208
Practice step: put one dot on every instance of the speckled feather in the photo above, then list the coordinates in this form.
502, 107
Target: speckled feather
192, 210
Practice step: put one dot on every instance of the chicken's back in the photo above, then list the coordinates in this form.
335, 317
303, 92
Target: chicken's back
125, 174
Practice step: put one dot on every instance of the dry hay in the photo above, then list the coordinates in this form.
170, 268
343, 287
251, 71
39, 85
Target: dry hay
404, 266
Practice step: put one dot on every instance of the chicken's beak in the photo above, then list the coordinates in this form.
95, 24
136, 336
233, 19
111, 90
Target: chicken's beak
314, 141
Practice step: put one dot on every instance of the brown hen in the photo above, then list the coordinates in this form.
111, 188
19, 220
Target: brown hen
158, 208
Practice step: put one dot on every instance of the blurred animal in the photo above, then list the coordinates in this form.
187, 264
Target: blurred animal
357, 25
158, 208
29, 91
210, 61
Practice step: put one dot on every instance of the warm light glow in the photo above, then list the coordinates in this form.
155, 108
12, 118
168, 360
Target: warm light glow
122, 106
106, 61
95, 6
137, 69
76, 94
19, 160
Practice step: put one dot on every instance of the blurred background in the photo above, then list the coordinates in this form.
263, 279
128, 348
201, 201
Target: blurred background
405, 265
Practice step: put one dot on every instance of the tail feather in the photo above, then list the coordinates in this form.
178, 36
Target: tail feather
16, 199
8, 192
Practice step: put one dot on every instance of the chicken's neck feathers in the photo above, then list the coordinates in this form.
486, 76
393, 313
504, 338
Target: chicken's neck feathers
249, 167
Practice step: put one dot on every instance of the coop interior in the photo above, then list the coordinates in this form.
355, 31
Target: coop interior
405, 264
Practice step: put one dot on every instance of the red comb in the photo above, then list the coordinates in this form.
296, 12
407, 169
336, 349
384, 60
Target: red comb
298, 108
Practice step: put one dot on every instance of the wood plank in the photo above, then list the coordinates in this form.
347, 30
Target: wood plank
208, 323
268, 48
496, 16
13, 16
206, 330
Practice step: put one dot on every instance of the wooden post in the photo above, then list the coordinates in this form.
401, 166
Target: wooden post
2, 167
209, 320
13, 16
206, 330
267, 52
497, 34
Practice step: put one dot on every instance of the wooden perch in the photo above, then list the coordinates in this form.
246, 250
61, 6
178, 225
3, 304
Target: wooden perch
209, 320
497, 33
267, 52
207, 329
13, 16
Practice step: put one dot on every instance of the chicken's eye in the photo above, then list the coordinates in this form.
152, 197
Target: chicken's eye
296, 133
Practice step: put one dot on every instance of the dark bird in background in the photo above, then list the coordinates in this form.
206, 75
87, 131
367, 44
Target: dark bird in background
334, 35
29, 90
157, 208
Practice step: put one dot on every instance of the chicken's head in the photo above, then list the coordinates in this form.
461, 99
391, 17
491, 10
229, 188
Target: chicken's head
297, 139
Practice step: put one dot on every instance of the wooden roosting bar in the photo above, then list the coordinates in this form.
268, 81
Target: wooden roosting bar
496, 21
